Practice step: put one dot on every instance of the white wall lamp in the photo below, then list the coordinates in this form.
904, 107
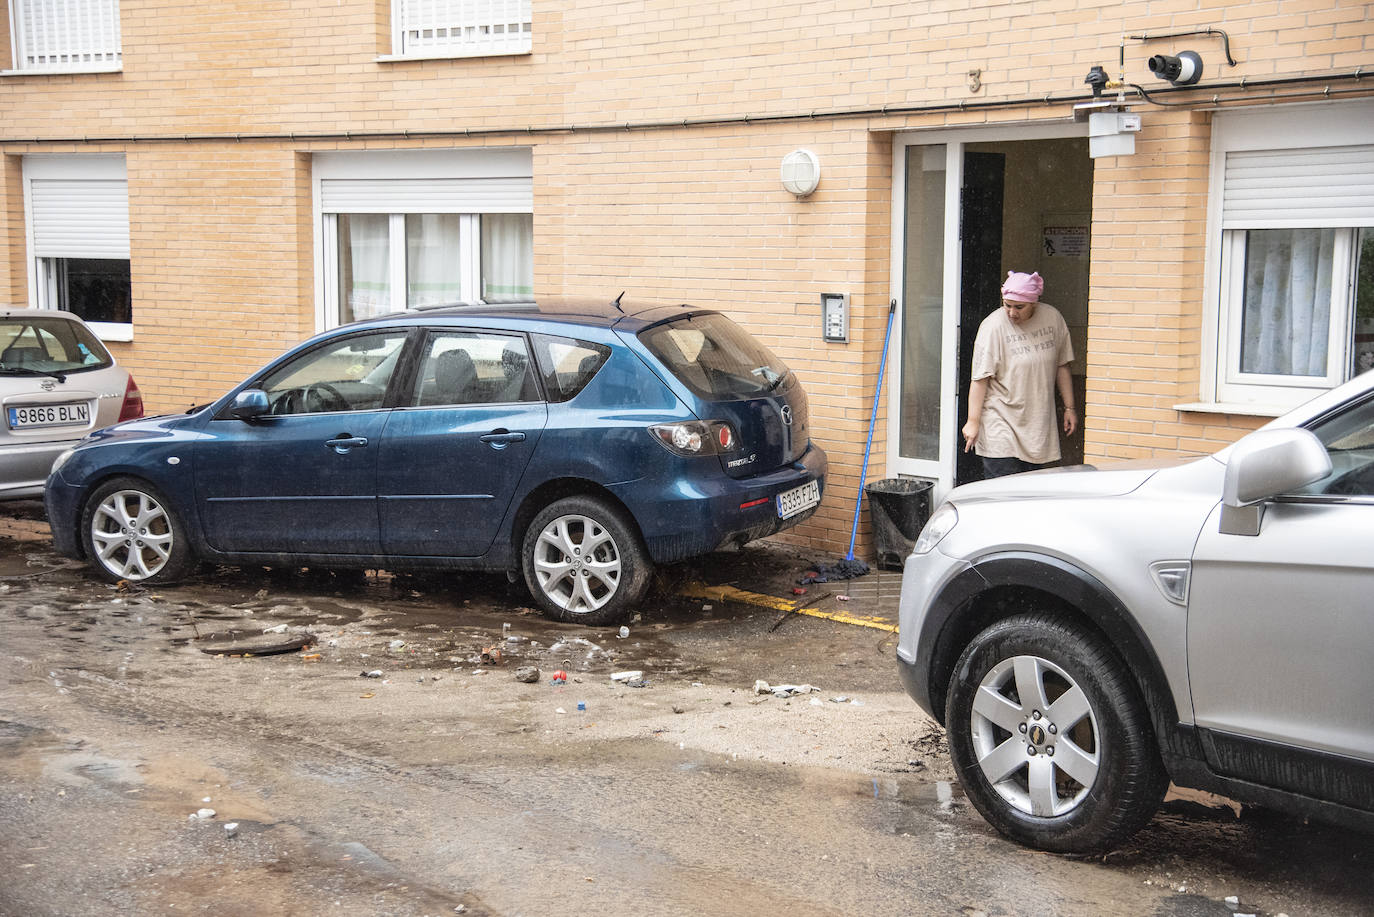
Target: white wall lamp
801, 172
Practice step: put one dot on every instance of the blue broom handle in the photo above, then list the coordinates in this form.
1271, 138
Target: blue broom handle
872, 421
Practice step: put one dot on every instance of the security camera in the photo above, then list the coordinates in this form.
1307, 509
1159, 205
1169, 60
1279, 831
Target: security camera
1184, 70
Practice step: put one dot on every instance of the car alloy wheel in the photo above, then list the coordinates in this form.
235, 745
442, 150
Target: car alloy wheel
1035, 736
577, 563
583, 562
1050, 738
132, 534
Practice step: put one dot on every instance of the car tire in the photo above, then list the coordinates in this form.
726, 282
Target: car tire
1106, 780
564, 582
131, 532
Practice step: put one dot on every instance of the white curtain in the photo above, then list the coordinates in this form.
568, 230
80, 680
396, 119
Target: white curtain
1287, 313
364, 265
434, 271
507, 257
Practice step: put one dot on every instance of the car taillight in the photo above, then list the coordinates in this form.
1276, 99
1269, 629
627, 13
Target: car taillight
132, 407
693, 437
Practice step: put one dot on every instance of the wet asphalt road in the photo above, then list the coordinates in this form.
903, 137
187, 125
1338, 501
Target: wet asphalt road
444, 785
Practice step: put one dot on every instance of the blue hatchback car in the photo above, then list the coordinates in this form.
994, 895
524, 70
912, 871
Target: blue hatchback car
574, 443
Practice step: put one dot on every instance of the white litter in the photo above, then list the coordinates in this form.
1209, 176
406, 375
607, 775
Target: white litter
763, 687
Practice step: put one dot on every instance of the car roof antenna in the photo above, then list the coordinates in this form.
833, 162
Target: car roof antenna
616, 302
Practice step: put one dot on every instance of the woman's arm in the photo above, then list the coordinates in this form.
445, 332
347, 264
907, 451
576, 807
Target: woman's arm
1065, 384
977, 394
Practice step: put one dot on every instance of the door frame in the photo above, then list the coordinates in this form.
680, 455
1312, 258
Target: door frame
942, 470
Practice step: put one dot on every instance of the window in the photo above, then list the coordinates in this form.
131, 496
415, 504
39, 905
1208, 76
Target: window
1349, 440
567, 365
1295, 276
715, 358
471, 367
71, 36
409, 230
1299, 306
347, 375
460, 28
48, 344
390, 262
78, 223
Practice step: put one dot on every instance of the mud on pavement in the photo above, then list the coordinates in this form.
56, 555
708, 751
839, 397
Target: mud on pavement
393, 763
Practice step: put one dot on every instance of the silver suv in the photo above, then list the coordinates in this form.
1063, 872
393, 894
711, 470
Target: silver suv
1086, 636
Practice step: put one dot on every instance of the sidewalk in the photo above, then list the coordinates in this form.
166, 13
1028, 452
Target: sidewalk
767, 575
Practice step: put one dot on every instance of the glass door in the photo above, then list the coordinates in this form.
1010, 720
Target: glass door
926, 271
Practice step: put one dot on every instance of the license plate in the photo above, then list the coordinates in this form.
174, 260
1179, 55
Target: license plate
50, 415
798, 499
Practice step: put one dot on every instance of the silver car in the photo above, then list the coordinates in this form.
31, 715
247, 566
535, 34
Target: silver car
57, 383
1087, 636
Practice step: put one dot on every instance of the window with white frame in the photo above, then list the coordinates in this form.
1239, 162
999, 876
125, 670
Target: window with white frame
1295, 280
460, 28
65, 36
77, 210
406, 230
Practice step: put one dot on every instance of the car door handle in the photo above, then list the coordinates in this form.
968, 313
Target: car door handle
499, 439
343, 444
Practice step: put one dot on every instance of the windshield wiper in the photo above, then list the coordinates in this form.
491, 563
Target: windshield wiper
57, 374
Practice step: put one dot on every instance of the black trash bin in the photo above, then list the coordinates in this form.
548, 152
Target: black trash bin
900, 508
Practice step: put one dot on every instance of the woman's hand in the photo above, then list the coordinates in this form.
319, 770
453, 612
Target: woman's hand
1070, 421
971, 434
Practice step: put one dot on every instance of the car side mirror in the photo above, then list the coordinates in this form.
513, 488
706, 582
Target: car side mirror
1263, 465
249, 404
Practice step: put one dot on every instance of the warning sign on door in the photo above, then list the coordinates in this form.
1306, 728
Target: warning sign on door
1066, 241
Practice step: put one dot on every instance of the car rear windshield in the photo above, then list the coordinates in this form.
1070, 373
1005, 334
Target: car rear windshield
714, 357
48, 345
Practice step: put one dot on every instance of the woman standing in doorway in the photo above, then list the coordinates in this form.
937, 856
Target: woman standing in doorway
1021, 355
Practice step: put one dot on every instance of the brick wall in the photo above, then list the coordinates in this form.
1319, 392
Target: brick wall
220, 283
221, 233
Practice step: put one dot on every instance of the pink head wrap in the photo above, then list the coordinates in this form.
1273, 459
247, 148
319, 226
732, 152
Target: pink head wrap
1023, 287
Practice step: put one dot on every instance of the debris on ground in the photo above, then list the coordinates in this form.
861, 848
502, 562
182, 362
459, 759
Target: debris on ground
847, 568
528, 674
491, 655
627, 676
763, 687
560, 677
201, 815
251, 648
375, 673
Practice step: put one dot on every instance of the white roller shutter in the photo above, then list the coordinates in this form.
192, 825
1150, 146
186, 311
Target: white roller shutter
79, 218
426, 195
1313, 187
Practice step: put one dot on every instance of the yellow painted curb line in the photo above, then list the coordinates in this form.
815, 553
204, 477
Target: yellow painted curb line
697, 590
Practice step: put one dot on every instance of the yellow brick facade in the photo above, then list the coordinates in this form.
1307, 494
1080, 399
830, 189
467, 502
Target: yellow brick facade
656, 130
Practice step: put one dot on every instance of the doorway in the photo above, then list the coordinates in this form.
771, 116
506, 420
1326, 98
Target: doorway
968, 210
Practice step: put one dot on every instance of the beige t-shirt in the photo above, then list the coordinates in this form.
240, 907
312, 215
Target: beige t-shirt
1020, 363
